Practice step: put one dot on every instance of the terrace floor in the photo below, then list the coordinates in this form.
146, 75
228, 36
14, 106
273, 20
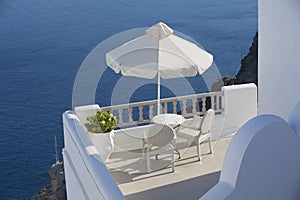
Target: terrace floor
190, 180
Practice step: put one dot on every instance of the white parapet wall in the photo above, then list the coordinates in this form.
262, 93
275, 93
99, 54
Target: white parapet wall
262, 161
86, 174
240, 105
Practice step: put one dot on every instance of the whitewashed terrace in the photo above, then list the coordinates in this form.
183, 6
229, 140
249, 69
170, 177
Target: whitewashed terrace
190, 180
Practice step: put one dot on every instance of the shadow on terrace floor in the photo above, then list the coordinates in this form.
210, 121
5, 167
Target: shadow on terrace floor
190, 180
192, 188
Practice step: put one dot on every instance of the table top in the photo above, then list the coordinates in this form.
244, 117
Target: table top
170, 119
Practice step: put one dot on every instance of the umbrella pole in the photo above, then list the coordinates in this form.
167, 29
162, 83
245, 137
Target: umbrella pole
158, 92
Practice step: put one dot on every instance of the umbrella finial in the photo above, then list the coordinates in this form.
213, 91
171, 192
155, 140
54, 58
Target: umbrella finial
159, 31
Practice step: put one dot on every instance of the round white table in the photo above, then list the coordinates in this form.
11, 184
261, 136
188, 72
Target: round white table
169, 119
172, 120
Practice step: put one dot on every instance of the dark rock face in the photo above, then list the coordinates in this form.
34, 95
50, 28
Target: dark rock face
57, 189
248, 71
249, 67
226, 80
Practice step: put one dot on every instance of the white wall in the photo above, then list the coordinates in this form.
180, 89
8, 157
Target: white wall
261, 162
279, 57
240, 105
86, 174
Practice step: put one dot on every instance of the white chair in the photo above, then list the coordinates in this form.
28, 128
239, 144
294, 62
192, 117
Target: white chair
159, 141
199, 129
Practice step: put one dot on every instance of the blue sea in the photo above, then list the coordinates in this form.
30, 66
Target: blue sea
43, 43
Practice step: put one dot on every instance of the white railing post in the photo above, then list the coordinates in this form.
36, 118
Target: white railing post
174, 106
184, 107
166, 107
203, 104
212, 100
120, 111
130, 114
194, 104
151, 107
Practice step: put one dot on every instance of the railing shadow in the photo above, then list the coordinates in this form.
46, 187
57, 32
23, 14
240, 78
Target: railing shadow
192, 188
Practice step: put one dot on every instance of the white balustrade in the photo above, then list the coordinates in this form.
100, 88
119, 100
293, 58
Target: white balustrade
170, 105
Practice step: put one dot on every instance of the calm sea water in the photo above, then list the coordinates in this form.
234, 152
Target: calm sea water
42, 44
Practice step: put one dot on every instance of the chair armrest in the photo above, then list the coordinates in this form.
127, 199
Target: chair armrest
188, 126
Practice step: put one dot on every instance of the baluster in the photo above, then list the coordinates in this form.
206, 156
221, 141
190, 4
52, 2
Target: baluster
183, 107
220, 102
175, 107
120, 111
212, 100
166, 107
217, 103
151, 111
141, 113
130, 114
194, 105
203, 104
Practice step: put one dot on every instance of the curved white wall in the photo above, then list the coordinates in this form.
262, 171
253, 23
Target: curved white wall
279, 58
86, 174
261, 162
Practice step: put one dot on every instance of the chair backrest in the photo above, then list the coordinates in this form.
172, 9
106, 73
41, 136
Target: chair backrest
207, 121
196, 122
160, 135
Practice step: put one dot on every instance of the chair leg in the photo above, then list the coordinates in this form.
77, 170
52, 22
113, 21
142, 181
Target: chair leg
210, 146
174, 143
199, 150
173, 162
148, 162
176, 150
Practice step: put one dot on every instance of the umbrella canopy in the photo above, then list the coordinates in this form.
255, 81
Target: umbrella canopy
159, 53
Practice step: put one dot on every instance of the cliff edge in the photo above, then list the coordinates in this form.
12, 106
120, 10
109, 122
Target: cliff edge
57, 189
249, 65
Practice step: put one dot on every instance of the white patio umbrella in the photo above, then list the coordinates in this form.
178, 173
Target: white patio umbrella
159, 53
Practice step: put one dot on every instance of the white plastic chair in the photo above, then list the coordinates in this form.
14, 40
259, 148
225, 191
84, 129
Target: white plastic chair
159, 141
199, 129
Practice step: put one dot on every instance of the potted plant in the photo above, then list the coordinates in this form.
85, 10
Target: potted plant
100, 131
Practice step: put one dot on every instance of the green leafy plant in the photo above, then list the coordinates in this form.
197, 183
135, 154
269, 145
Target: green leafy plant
101, 122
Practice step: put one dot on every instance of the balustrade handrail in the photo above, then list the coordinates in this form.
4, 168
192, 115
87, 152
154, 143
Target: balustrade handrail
185, 110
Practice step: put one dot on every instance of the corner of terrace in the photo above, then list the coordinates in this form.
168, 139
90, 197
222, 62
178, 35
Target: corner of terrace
127, 166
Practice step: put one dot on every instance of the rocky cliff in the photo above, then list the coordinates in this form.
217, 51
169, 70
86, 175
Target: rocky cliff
247, 72
249, 65
57, 189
